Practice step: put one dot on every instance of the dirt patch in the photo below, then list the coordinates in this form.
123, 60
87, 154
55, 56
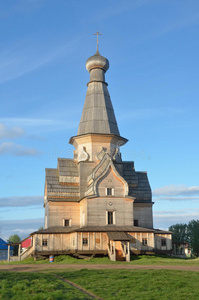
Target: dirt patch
40, 267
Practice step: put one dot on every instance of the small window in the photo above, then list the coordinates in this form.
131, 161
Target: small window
109, 191
135, 222
44, 242
144, 242
163, 242
110, 217
67, 222
85, 241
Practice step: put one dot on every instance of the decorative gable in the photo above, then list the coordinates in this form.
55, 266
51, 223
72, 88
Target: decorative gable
105, 170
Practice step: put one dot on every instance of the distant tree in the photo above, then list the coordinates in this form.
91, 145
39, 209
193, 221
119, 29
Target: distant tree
193, 235
179, 232
14, 239
40, 228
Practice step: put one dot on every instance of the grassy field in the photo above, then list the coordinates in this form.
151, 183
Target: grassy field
135, 260
19, 286
107, 284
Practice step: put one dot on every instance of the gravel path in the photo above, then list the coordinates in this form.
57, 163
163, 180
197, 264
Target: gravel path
42, 267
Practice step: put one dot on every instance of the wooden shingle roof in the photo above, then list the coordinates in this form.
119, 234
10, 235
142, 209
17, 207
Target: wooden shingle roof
119, 236
62, 184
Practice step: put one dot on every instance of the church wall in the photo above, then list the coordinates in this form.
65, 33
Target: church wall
137, 242
85, 168
58, 211
46, 216
159, 240
83, 213
55, 242
143, 213
97, 209
96, 241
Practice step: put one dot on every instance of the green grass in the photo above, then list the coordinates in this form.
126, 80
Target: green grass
135, 260
107, 284
137, 284
19, 286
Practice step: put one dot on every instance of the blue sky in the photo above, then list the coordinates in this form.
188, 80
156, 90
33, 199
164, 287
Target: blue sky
152, 47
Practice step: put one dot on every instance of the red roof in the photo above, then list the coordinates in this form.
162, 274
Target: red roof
26, 243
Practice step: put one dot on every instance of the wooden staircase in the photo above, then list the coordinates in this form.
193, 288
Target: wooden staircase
119, 256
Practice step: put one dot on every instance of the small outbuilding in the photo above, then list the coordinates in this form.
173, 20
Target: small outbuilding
4, 250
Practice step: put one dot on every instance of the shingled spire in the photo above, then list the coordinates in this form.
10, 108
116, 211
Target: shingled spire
98, 115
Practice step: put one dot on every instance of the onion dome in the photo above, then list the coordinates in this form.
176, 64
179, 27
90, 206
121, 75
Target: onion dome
97, 62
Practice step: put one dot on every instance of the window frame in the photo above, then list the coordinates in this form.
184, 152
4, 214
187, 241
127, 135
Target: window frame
112, 212
109, 191
64, 222
136, 222
163, 242
44, 242
84, 241
144, 241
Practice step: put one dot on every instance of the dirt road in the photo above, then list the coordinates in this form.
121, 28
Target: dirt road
42, 267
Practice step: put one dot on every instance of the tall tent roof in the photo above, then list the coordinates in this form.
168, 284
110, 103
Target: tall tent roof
98, 115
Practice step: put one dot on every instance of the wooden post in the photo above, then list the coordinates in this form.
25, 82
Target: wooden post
94, 237
19, 252
128, 255
8, 253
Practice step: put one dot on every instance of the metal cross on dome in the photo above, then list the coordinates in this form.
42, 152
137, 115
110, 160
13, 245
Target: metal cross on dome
97, 34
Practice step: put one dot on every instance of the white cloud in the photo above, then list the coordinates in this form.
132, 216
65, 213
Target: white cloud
166, 218
177, 193
21, 227
17, 150
41, 124
184, 211
21, 201
10, 133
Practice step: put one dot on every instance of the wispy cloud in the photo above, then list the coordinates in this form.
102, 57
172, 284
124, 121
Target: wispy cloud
117, 8
20, 7
34, 122
29, 55
10, 133
177, 192
177, 24
151, 113
21, 227
21, 201
180, 212
166, 218
17, 150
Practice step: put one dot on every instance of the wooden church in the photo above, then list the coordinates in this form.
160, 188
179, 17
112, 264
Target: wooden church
95, 203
